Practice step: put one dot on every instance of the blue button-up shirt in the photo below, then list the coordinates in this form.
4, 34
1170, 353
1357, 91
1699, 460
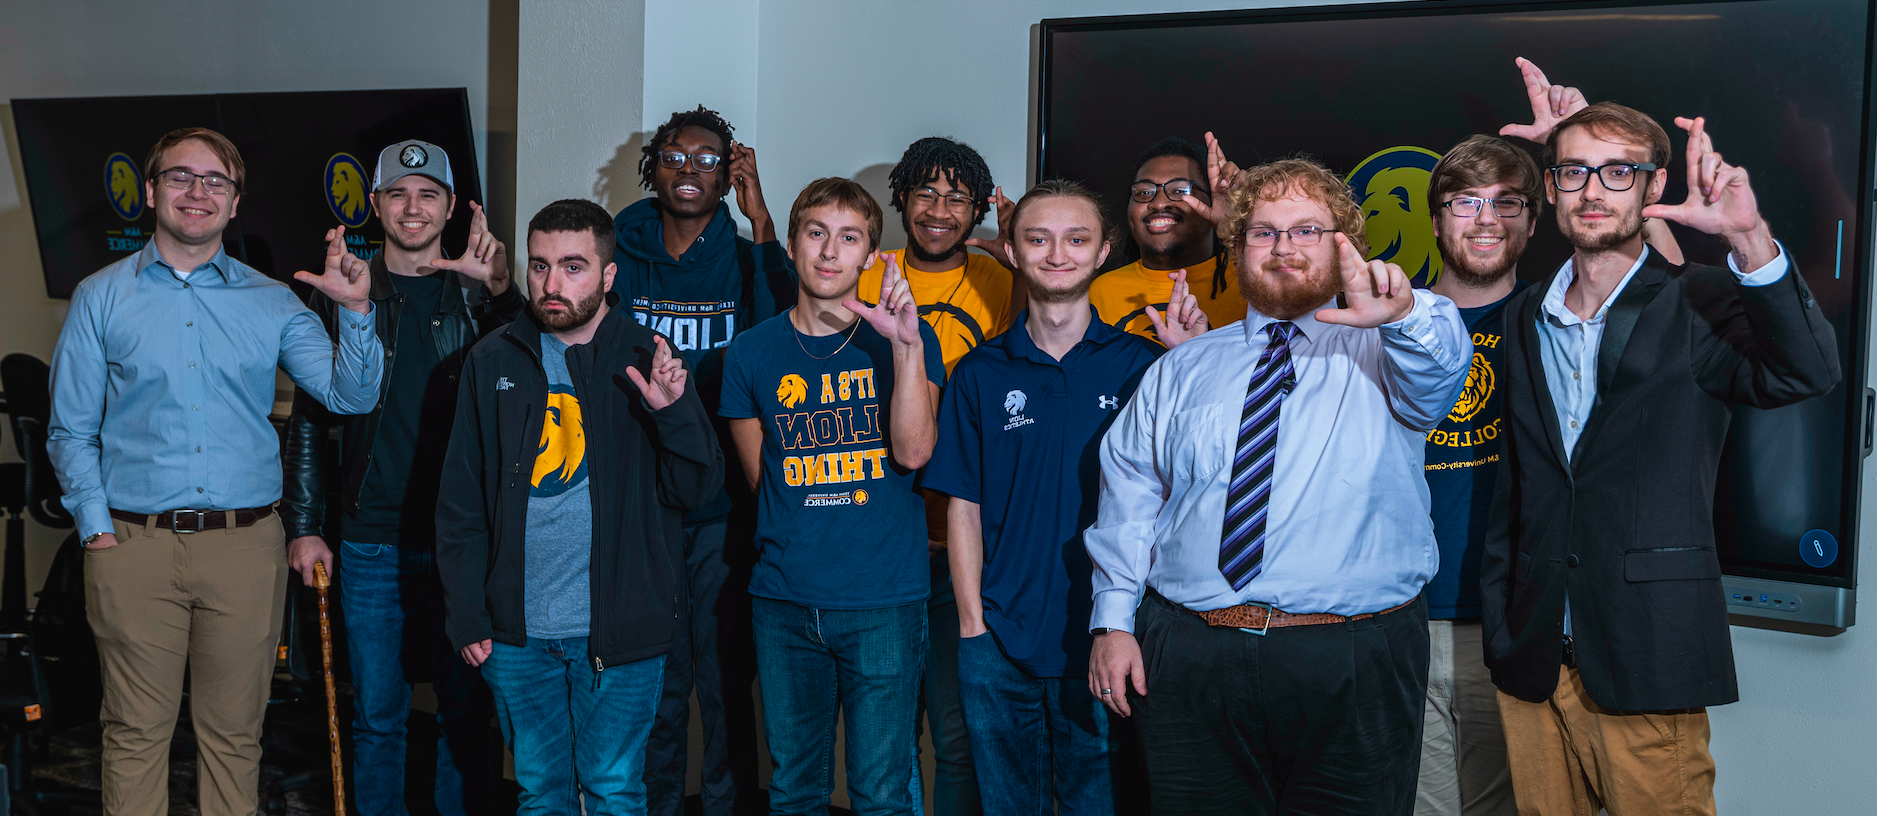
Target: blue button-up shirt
161, 387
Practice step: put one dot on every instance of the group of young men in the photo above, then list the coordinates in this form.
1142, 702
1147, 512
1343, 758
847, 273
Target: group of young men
1249, 525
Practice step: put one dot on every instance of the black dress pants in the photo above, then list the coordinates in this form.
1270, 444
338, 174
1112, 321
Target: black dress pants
1321, 720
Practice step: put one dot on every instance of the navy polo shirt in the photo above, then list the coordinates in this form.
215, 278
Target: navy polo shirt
1019, 433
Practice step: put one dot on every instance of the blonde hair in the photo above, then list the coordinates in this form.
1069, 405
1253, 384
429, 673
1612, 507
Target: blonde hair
843, 193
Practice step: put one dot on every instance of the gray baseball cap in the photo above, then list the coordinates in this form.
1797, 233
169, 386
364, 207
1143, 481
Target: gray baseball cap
412, 156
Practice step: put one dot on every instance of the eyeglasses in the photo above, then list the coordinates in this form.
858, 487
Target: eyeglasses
1176, 189
1470, 206
674, 160
927, 196
1299, 236
180, 179
1615, 177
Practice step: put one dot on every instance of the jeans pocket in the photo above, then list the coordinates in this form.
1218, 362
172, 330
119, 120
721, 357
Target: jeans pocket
364, 550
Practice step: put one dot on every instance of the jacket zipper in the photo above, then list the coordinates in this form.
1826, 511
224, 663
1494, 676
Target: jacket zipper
597, 668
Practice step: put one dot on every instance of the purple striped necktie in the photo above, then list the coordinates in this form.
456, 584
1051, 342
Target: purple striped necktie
1241, 546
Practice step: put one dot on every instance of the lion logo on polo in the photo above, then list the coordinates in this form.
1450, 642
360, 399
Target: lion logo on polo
1392, 188
793, 390
1479, 385
1014, 402
345, 190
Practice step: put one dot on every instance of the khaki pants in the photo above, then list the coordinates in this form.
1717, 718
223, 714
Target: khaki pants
1571, 756
162, 601
1463, 746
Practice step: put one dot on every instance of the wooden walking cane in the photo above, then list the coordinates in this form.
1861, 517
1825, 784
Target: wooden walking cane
322, 581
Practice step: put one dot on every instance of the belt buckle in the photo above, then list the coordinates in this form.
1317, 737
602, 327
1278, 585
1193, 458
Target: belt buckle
175, 521
1267, 619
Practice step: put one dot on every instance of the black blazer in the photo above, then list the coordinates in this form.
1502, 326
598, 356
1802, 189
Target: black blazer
1625, 526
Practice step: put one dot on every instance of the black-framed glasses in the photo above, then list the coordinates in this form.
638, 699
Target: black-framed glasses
1176, 189
215, 183
1299, 236
1472, 206
954, 201
674, 160
1615, 177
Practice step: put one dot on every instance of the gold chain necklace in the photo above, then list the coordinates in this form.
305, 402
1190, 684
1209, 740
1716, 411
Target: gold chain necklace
850, 336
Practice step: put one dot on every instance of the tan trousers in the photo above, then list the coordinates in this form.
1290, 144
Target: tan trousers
162, 601
1571, 756
1463, 747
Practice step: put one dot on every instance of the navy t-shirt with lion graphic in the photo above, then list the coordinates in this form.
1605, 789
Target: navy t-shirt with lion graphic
838, 525
1462, 462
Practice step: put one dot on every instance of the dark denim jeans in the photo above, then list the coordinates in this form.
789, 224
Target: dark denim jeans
1041, 740
864, 664
713, 655
955, 781
393, 608
574, 730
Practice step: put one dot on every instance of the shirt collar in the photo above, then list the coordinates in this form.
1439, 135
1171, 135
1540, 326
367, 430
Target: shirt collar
1553, 304
1018, 344
1306, 323
149, 257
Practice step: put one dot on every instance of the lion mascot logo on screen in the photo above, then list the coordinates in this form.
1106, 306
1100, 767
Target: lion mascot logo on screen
346, 190
793, 391
1392, 188
560, 462
124, 186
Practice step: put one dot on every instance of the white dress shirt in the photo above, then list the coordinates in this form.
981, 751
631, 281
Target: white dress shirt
1348, 530
1569, 345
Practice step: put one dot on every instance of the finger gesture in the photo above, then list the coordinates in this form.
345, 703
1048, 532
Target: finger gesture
1000, 247
486, 259
1551, 104
666, 375
897, 316
1376, 292
1720, 201
346, 278
1221, 174
1184, 320
749, 188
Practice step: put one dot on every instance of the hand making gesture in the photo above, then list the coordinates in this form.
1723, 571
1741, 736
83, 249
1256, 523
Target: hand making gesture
485, 260
999, 248
749, 192
1551, 104
1220, 176
667, 377
1184, 320
346, 279
897, 316
1376, 292
1720, 201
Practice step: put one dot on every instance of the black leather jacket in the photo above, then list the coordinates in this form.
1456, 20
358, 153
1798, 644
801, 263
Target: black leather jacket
460, 322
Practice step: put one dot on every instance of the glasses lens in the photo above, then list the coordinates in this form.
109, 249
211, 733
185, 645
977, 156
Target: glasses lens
957, 202
179, 179
216, 184
1178, 190
1306, 236
1570, 177
705, 162
1464, 207
1508, 207
1261, 237
1617, 177
1144, 191
670, 160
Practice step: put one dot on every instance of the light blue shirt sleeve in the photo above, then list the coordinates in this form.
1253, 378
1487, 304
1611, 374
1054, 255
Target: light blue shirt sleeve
79, 384
1767, 275
345, 380
1425, 357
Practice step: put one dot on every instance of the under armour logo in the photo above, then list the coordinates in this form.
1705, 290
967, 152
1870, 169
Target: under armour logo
1109, 403
502, 384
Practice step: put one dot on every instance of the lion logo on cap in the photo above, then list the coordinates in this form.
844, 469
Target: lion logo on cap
345, 190
413, 156
1392, 189
123, 186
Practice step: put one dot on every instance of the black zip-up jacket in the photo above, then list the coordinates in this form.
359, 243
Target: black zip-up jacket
460, 321
645, 470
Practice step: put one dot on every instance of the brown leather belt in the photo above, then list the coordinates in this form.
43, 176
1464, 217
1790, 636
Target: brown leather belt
194, 521
1256, 617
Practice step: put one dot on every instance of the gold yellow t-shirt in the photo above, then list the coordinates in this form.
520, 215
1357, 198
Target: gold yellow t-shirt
1121, 296
964, 306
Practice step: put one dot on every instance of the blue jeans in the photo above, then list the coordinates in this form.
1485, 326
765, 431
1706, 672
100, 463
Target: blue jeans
1042, 740
866, 664
393, 608
955, 782
574, 730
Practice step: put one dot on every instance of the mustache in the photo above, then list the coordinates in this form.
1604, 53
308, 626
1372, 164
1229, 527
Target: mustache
1299, 262
1587, 208
1172, 212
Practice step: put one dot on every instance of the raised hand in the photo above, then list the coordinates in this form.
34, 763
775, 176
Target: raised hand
1377, 292
749, 192
1184, 320
1220, 175
1551, 104
897, 316
346, 278
1000, 247
667, 377
486, 258
1720, 201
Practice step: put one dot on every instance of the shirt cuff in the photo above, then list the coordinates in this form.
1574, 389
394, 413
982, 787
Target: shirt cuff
1765, 275
1114, 609
1418, 324
93, 520
355, 323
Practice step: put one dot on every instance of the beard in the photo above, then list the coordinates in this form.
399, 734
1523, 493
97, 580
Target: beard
576, 315
1286, 299
1458, 259
918, 249
1061, 293
394, 237
1627, 225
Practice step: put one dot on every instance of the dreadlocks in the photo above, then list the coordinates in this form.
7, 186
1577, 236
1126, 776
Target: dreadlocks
702, 117
935, 155
1176, 146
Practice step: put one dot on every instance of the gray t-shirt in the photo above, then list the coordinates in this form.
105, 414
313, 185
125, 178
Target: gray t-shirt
559, 539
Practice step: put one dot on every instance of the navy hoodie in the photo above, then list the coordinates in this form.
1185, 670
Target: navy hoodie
721, 285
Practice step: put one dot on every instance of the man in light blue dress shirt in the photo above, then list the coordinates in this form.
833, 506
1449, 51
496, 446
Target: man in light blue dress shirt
162, 383
1263, 534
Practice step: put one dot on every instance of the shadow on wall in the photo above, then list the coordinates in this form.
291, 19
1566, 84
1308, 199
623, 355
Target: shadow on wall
892, 233
617, 183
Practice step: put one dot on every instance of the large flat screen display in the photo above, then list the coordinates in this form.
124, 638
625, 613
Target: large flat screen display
1379, 91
